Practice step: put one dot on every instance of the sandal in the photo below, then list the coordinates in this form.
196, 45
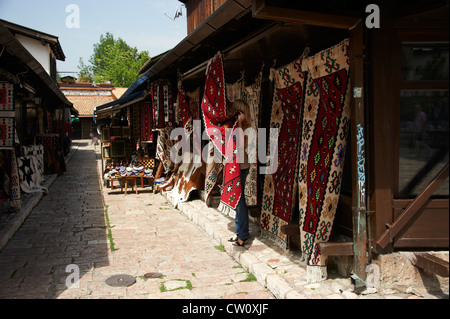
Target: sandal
238, 244
233, 239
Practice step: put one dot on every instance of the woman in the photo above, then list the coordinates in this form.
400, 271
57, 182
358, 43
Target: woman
241, 230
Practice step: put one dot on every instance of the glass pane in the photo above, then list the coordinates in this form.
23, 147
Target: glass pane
424, 141
424, 62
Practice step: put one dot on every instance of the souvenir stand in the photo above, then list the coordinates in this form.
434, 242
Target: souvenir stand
121, 161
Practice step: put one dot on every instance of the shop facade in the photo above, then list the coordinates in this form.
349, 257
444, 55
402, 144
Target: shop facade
35, 115
359, 95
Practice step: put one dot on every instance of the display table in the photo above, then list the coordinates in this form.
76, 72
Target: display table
124, 182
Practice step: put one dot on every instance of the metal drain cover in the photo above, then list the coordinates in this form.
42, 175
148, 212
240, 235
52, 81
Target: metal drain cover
120, 281
153, 275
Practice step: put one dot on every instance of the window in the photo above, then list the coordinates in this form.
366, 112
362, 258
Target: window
424, 118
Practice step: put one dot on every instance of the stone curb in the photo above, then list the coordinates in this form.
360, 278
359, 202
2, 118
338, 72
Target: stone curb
213, 224
27, 207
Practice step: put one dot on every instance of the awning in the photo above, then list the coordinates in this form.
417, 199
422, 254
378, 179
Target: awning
113, 107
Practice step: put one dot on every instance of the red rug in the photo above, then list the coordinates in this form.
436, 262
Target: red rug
217, 124
163, 110
278, 199
326, 123
146, 133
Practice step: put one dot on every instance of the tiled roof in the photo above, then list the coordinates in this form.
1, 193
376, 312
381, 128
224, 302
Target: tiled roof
85, 104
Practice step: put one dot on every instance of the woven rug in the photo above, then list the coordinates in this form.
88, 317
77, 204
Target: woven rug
145, 119
184, 110
29, 176
163, 148
11, 183
163, 110
326, 118
217, 124
277, 200
251, 94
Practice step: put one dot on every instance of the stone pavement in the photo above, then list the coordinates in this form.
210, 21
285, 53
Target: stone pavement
144, 234
139, 234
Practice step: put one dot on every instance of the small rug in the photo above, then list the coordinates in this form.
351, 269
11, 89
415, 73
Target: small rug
326, 123
146, 125
163, 110
277, 201
218, 124
29, 176
184, 110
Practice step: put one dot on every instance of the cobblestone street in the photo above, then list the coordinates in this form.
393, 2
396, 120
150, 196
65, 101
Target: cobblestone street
143, 234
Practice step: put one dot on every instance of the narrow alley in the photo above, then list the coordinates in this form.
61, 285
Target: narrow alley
143, 236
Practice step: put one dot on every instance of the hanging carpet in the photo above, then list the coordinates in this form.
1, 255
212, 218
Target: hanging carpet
279, 188
326, 118
188, 178
163, 110
163, 148
218, 124
146, 125
29, 176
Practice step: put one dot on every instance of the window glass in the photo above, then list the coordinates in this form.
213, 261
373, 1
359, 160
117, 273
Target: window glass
424, 141
425, 62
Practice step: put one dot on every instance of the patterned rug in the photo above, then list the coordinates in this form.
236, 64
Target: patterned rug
163, 147
251, 94
277, 201
184, 110
217, 123
163, 110
326, 118
145, 119
29, 176
7, 116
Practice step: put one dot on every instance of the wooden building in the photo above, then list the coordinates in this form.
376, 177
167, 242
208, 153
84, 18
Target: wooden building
395, 188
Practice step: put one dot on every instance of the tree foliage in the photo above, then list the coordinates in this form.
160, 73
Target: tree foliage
113, 60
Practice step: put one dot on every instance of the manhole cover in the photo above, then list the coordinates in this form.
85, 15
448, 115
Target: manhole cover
153, 275
120, 281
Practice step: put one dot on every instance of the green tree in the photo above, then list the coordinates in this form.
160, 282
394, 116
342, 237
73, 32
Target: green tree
113, 60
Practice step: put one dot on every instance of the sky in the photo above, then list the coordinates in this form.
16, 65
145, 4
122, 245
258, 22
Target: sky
145, 24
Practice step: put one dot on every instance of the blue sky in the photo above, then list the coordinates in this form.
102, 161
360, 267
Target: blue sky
141, 23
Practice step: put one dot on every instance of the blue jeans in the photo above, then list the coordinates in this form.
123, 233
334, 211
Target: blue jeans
241, 227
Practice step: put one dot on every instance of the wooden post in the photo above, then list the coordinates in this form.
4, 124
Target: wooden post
360, 251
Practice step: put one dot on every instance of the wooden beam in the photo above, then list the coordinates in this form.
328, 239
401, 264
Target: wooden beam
431, 264
359, 140
336, 249
262, 11
290, 230
414, 209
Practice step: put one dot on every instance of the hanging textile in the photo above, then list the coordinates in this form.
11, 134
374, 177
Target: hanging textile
29, 176
146, 133
10, 179
184, 110
252, 95
277, 200
163, 148
326, 118
188, 178
7, 116
163, 110
218, 124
